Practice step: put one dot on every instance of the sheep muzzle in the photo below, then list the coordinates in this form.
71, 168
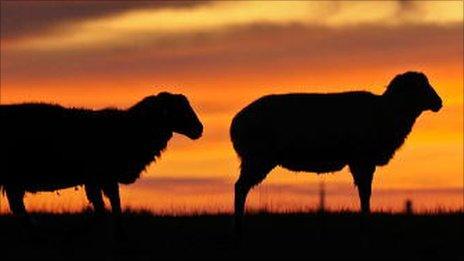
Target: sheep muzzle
437, 107
434, 100
196, 133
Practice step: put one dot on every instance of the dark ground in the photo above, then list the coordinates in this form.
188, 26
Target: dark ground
303, 236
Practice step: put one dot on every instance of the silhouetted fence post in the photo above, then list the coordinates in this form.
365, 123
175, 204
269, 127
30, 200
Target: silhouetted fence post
408, 207
321, 197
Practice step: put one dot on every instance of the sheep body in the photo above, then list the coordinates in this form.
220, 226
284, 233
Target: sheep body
325, 132
47, 147
58, 147
316, 132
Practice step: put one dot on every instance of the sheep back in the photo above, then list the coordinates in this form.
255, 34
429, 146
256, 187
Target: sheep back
314, 132
47, 147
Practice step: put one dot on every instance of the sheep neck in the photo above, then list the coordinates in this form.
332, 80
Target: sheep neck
398, 123
403, 118
144, 145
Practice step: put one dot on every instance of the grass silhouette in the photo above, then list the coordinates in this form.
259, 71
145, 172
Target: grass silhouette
267, 235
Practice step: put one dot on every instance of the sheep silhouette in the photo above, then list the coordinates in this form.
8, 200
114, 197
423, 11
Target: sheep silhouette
48, 147
325, 132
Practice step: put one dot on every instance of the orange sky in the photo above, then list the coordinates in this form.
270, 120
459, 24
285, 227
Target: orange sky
223, 55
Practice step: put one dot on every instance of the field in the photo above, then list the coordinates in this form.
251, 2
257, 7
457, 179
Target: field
266, 235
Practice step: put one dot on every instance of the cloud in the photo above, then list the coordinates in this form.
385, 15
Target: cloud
122, 27
31, 18
239, 52
183, 185
207, 186
253, 51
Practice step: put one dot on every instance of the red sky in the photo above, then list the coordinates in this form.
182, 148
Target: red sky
223, 55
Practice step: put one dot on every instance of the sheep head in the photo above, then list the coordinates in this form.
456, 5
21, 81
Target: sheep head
172, 112
180, 115
413, 90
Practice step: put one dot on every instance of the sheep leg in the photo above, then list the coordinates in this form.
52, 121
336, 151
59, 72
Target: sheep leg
15, 198
16, 202
111, 191
363, 175
241, 191
95, 197
251, 174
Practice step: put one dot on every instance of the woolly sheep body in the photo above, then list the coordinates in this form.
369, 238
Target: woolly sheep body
325, 132
47, 147
70, 147
300, 138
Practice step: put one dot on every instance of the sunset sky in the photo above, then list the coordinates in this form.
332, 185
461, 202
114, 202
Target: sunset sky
225, 54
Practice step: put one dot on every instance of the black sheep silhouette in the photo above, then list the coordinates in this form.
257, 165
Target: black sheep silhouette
325, 132
48, 147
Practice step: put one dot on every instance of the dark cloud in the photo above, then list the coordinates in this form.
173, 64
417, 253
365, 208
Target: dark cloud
184, 185
165, 181
434, 191
409, 8
254, 51
208, 186
407, 4
25, 18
